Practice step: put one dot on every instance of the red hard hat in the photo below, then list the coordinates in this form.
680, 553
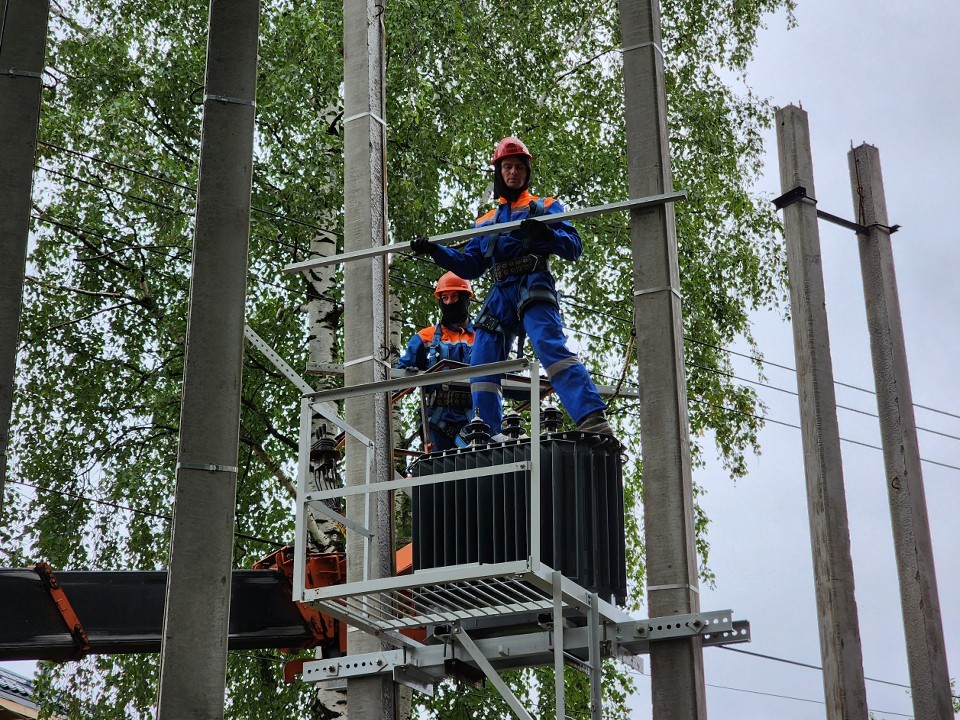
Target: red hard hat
452, 283
509, 146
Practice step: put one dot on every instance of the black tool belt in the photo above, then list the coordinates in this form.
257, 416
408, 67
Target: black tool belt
450, 398
519, 266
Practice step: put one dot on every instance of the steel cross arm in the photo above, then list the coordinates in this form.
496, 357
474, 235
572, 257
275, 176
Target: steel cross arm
416, 380
511, 651
528, 649
451, 237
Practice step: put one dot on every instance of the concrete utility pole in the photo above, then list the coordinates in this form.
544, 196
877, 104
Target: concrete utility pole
840, 651
672, 583
926, 652
366, 342
22, 46
193, 662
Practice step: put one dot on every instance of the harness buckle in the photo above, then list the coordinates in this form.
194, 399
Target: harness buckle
523, 265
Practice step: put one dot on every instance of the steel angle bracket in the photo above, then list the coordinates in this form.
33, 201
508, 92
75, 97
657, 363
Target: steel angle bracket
675, 626
400, 664
278, 362
415, 678
714, 628
351, 666
739, 634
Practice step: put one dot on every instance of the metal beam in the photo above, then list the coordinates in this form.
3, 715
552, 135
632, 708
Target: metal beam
458, 235
418, 380
122, 612
535, 646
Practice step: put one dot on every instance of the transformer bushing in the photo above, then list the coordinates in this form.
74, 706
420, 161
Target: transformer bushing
476, 432
551, 419
512, 425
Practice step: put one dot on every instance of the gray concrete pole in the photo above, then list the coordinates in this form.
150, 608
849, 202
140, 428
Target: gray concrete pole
196, 616
926, 652
366, 290
22, 48
840, 650
676, 666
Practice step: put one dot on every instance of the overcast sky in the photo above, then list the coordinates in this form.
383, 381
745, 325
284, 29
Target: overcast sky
881, 72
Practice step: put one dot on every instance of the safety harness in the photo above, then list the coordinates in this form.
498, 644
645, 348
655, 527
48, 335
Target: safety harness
516, 267
523, 265
440, 399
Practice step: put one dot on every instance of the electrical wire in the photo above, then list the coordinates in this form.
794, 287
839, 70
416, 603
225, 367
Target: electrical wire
765, 418
752, 358
758, 383
778, 695
190, 188
117, 166
123, 193
794, 393
563, 299
814, 667
762, 418
118, 506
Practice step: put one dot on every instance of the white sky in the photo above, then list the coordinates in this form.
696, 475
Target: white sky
880, 72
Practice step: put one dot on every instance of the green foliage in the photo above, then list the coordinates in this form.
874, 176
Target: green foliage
106, 301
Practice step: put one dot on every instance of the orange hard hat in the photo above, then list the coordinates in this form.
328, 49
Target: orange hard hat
449, 282
510, 145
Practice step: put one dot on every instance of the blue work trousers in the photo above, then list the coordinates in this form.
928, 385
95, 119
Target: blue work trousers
544, 327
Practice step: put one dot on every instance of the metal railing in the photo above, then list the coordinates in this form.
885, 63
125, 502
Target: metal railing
322, 402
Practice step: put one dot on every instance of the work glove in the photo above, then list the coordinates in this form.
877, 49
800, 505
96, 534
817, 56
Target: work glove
536, 231
421, 245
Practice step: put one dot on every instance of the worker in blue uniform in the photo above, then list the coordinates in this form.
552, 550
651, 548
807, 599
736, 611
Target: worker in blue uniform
446, 410
523, 296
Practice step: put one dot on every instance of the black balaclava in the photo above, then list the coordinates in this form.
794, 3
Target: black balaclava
455, 313
500, 188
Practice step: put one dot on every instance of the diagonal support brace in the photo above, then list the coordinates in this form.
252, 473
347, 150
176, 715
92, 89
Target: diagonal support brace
493, 676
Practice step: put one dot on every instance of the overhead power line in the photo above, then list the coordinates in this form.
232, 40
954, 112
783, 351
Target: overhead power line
564, 299
779, 696
813, 667
765, 418
753, 358
190, 188
135, 511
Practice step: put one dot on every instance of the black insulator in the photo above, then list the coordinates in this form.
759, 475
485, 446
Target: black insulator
512, 425
324, 451
551, 418
476, 432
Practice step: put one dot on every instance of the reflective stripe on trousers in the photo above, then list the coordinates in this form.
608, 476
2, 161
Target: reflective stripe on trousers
569, 377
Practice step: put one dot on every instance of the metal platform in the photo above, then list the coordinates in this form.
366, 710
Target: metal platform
479, 618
